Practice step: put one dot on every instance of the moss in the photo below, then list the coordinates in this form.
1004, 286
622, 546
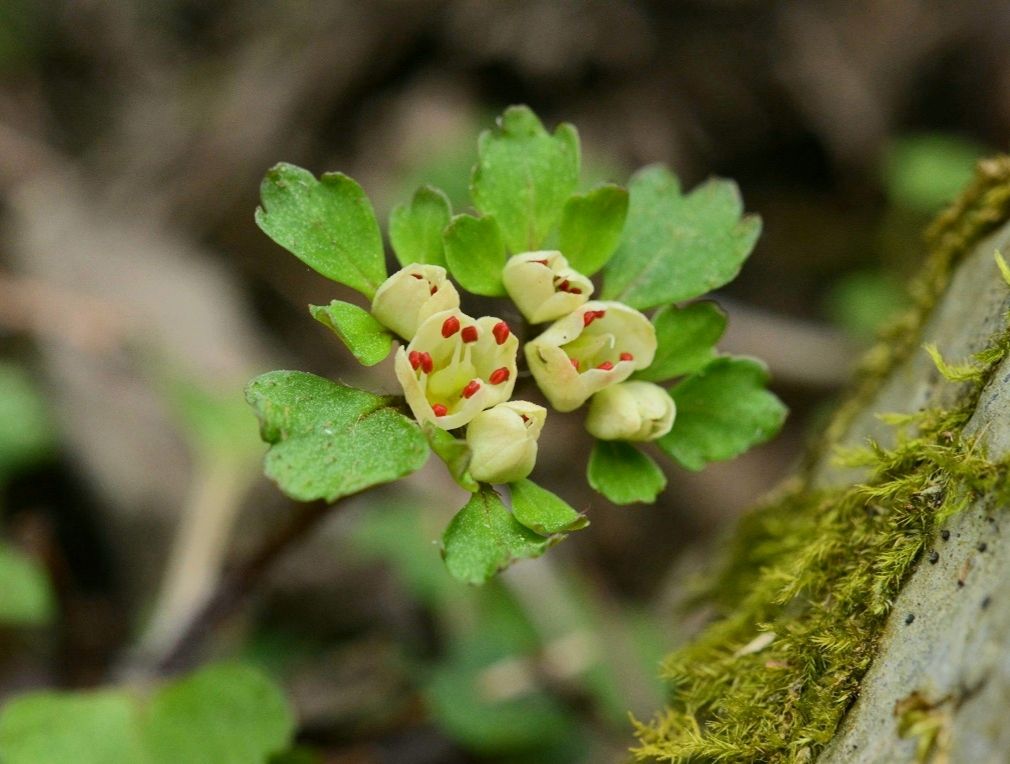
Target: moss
820, 569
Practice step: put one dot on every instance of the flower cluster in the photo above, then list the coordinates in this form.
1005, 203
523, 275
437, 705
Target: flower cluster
459, 371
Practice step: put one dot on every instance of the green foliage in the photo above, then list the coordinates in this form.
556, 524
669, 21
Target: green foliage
924, 172
225, 714
722, 411
862, 302
624, 474
26, 598
543, 512
328, 440
27, 434
484, 538
454, 452
415, 230
591, 226
678, 247
686, 339
328, 224
475, 252
363, 335
524, 176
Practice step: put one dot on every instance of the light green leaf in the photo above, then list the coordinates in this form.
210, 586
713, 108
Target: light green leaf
542, 511
677, 247
225, 714
454, 452
524, 176
722, 411
924, 172
27, 435
591, 226
364, 336
328, 224
415, 229
26, 598
624, 474
484, 538
476, 254
686, 340
328, 440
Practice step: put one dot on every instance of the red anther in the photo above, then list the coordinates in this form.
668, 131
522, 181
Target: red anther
433, 289
542, 262
575, 363
606, 366
427, 365
525, 418
564, 286
417, 275
450, 326
415, 359
469, 334
471, 388
574, 290
591, 315
627, 357
501, 332
499, 375
439, 410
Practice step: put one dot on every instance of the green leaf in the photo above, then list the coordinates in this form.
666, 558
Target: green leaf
686, 340
27, 435
26, 598
219, 715
624, 474
678, 247
225, 714
356, 328
328, 224
924, 172
524, 176
722, 411
542, 511
415, 230
476, 254
591, 226
328, 440
484, 538
454, 452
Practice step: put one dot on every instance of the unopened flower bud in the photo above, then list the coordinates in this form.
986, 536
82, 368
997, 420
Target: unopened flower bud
407, 298
600, 344
503, 441
543, 286
457, 366
631, 411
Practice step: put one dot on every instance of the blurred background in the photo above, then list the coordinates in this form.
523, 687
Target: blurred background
137, 297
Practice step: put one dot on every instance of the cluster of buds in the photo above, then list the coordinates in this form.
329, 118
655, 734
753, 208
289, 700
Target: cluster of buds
458, 371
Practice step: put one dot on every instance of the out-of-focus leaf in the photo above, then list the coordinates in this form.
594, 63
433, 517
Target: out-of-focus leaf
415, 229
484, 538
925, 172
216, 423
862, 302
591, 226
358, 329
475, 253
722, 411
685, 339
328, 224
524, 176
677, 247
26, 430
328, 440
454, 452
26, 598
542, 511
624, 474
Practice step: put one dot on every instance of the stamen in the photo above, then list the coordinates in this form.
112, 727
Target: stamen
415, 359
564, 286
498, 376
575, 363
501, 332
433, 289
471, 388
606, 366
439, 410
542, 262
427, 365
469, 334
417, 275
525, 418
627, 357
574, 290
591, 315
450, 326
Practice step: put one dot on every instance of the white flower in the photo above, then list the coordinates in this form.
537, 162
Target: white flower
543, 287
631, 411
411, 295
456, 366
503, 441
600, 344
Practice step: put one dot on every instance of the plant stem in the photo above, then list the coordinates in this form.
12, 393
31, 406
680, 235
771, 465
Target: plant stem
236, 584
